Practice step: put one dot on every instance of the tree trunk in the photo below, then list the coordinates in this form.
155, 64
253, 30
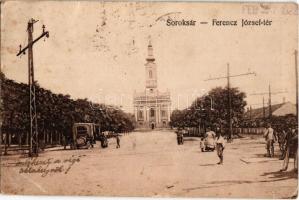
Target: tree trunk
44, 137
9, 139
59, 138
27, 138
20, 139
1, 138
5, 144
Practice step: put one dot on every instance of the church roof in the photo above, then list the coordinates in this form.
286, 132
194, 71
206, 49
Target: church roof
158, 96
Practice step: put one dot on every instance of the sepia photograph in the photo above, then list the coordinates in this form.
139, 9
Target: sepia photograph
149, 99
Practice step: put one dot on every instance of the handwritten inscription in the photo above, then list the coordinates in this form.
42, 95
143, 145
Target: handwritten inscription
47, 166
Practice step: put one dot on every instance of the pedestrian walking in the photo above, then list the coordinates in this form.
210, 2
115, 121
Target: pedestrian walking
270, 137
117, 141
220, 145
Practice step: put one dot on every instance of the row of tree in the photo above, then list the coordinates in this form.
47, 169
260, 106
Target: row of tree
277, 122
211, 109
56, 113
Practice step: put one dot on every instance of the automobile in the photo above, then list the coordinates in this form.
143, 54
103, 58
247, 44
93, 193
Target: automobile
83, 135
208, 142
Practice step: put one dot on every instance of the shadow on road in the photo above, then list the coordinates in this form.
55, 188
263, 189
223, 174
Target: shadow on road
278, 175
190, 139
206, 165
264, 155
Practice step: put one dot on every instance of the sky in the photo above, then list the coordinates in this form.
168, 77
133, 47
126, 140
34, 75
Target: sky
97, 50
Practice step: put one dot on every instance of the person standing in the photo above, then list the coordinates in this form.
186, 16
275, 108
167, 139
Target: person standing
291, 149
270, 138
220, 145
117, 141
281, 138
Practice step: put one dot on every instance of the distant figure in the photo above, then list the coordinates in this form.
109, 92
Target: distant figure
220, 145
117, 141
291, 149
202, 144
67, 141
281, 137
270, 138
180, 136
104, 140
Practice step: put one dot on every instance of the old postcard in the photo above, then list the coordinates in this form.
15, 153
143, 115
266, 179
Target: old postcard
149, 99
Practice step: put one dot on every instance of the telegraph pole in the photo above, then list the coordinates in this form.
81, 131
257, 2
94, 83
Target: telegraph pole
229, 104
264, 112
270, 107
228, 76
33, 134
296, 71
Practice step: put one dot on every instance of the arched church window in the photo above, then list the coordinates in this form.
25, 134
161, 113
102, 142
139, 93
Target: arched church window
150, 74
152, 112
140, 114
163, 113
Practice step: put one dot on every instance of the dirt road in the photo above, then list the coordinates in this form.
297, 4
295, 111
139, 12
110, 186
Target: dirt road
152, 164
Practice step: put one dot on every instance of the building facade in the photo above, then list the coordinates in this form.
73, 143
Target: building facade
152, 108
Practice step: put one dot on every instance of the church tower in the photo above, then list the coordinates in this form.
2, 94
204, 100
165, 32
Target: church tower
150, 71
152, 107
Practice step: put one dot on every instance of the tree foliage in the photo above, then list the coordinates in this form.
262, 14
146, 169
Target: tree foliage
277, 122
56, 113
212, 109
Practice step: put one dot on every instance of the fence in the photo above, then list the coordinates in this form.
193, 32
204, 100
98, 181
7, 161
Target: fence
255, 131
198, 132
19, 141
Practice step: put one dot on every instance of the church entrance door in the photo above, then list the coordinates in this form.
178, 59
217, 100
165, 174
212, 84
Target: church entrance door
152, 126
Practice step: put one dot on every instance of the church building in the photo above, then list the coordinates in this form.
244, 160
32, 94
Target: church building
152, 108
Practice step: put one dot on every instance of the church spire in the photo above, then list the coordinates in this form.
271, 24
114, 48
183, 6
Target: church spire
151, 69
150, 56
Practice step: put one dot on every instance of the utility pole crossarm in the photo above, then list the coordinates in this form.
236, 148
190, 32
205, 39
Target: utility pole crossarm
263, 93
22, 51
231, 76
266, 93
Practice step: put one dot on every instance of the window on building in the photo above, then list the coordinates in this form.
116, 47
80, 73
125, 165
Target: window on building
140, 114
163, 113
150, 74
152, 112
